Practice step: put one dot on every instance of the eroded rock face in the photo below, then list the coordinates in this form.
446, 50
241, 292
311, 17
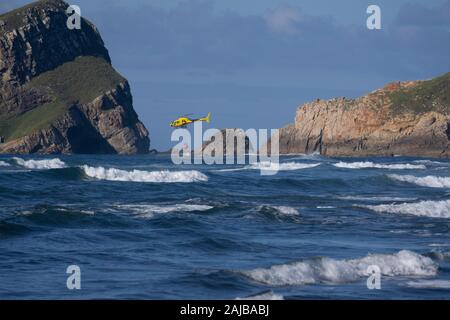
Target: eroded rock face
371, 126
40, 41
109, 124
35, 40
232, 141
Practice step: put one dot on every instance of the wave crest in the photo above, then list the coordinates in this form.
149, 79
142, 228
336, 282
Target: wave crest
434, 209
282, 166
149, 210
113, 174
431, 162
375, 198
277, 212
266, 295
40, 164
429, 284
369, 164
274, 166
428, 181
327, 270
286, 210
4, 164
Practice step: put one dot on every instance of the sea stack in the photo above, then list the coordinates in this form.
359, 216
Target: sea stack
238, 143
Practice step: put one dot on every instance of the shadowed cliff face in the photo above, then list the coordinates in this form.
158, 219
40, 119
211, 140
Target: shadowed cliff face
58, 90
409, 118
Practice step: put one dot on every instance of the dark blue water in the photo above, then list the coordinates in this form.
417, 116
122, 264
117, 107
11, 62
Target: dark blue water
214, 233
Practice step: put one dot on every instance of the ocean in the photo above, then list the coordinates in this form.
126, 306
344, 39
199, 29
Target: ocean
139, 227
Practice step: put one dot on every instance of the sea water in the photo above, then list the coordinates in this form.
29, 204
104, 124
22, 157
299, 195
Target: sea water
139, 227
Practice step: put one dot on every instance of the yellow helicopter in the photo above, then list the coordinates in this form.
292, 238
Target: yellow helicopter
184, 121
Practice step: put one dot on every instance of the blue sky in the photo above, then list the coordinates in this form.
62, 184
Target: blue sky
251, 63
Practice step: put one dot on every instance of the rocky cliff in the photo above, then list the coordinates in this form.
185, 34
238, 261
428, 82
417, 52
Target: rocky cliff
58, 90
235, 139
403, 118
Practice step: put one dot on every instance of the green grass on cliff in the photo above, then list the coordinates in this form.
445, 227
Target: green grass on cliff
79, 81
430, 95
31, 121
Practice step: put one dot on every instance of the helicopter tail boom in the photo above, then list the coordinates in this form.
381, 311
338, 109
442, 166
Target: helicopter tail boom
207, 118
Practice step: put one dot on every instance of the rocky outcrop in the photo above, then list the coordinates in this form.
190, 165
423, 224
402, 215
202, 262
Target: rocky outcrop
409, 118
227, 142
89, 128
58, 90
35, 39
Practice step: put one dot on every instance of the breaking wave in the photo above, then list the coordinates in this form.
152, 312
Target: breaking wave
431, 162
277, 211
428, 181
327, 270
4, 164
273, 213
309, 156
149, 210
369, 164
282, 166
429, 284
375, 198
40, 164
60, 209
273, 166
266, 295
285, 210
434, 209
113, 174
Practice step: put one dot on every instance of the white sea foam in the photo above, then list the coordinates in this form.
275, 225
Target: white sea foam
431, 162
325, 207
149, 210
282, 166
434, 209
114, 174
267, 295
327, 270
273, 166
231, 169
62, 210
302, 156
277, 210
429, 284
40, 164
369, 164
88, 212
375, 198
285, 210
4, 164
428, 181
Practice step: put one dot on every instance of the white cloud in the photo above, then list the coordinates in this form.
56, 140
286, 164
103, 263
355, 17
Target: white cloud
283, 19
